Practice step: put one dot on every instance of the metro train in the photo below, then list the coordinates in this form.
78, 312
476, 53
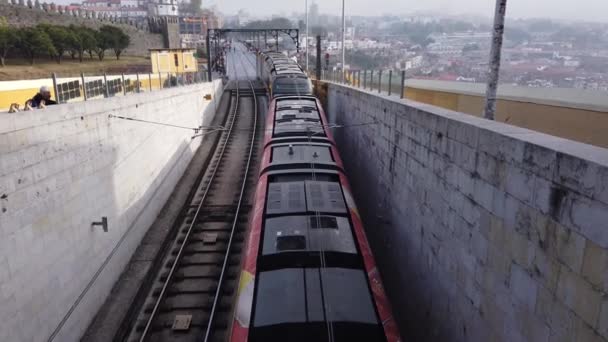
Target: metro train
283, 75
308, 273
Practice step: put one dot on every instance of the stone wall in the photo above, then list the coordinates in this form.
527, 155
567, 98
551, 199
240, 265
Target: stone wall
21, 16
483, 231
67, 166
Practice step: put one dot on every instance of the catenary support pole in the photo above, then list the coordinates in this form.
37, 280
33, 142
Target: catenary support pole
343, 40
319, 66
84, 87
495, 55
402, 94
306, 39
390, 81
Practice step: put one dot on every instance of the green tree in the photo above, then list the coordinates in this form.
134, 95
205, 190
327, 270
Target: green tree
8, 39
115, 39
84, 40
33, 41
104, 40
62, 37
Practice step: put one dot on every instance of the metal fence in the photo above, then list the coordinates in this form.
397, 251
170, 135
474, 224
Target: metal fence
382, 81
83, 88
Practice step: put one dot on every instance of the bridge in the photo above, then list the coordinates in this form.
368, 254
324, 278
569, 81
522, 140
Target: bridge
483, 230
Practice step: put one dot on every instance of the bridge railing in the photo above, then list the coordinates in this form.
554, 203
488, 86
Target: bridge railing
15, 94
383, 81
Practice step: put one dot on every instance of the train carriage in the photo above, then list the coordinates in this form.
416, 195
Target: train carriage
308, 272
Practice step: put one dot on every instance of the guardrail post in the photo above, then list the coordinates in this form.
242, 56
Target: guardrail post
160, 81
124, 89
150, 81
402, 83
54, 76
379, 81
84, 86
371, 80
390, 81
105, 84
364, 79
138, 87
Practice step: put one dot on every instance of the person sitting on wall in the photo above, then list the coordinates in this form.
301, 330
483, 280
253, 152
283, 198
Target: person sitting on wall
42, 99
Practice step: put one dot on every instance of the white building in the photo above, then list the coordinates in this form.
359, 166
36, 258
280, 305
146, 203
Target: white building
163, 7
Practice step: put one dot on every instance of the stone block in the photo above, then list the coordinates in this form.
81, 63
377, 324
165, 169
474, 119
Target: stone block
602, 325
570, 247
595, 265
579, 296
590, 218
519, 184
523, 287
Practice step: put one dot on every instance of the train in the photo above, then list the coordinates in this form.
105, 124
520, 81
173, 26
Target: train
308, 273
283, 75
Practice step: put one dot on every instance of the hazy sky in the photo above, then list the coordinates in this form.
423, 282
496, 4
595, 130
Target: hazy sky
589, 10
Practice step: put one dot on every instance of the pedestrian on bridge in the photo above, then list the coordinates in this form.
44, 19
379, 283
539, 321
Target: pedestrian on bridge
42, 99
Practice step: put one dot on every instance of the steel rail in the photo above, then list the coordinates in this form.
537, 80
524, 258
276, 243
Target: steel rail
190, 228
236, 216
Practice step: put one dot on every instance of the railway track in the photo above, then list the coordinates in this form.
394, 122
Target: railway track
191, 297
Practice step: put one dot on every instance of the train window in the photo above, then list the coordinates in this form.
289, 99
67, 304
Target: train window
340, 298
280, 298
296, 304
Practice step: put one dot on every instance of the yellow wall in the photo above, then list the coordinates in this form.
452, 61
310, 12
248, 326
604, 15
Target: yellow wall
582, 125
164, 61
21, 91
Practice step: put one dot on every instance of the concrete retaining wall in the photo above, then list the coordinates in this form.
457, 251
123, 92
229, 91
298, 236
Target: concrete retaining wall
483, 231
66, 166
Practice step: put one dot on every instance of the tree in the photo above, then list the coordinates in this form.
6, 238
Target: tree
116, 39
63, 39
33, 41
104, 40
84, 40
8, 40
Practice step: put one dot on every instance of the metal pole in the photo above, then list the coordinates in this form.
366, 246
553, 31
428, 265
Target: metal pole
402, 83
208, 56
343, 39
364, 79
379, 81
54, 76
124, 89
160, 81
306, 40
495, 54
84, 86
150, 81
319, 66
138, 87
371, 80
390, 80
105, 81
359, 79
